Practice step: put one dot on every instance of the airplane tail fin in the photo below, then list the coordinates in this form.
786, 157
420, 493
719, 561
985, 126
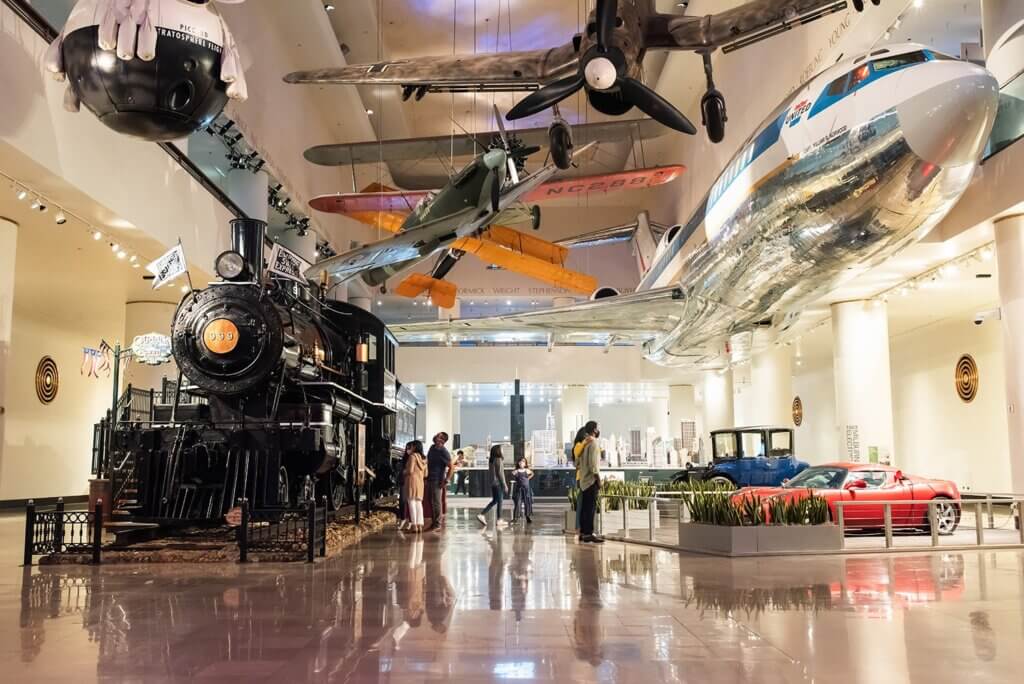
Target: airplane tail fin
442, 293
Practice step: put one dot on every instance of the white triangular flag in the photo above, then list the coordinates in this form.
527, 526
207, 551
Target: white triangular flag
169, 266
286, 263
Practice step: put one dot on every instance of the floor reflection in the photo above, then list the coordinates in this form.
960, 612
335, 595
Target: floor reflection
472, 606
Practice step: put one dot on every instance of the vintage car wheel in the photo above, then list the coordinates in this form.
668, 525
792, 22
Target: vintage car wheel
947, 516
721, 481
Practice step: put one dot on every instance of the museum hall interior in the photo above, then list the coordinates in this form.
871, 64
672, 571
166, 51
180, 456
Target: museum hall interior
487, 340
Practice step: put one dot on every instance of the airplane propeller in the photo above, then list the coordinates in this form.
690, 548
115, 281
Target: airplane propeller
604, 68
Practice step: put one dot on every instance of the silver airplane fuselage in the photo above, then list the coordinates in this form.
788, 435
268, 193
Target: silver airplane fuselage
861, 161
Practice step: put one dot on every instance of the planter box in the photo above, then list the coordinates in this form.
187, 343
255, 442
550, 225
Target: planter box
569, 523
611, 521
766, 539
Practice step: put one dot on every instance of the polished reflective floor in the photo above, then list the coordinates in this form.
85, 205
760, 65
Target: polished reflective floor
470, 605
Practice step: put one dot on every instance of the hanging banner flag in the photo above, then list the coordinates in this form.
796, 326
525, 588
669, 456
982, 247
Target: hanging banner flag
288, 264
169, 266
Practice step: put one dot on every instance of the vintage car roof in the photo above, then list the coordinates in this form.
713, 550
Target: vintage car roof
855, 466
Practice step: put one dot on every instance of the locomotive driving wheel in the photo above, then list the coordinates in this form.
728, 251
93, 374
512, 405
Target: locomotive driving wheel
336, 486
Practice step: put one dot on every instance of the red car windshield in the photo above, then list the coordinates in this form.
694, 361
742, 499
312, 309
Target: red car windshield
818, 477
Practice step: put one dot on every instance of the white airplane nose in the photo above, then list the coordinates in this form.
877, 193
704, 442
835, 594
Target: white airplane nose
949, 123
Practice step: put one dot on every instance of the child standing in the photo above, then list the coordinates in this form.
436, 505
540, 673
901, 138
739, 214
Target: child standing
523, 495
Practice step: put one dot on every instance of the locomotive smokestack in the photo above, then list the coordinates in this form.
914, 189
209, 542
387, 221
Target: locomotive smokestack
247, 239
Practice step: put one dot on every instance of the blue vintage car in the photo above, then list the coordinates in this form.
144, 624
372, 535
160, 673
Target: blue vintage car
748, 456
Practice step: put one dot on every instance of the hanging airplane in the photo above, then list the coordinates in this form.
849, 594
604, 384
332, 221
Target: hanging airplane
861, 161
406, 212
461, 216
606, 61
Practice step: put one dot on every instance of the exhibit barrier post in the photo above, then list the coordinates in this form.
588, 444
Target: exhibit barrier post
58, 527
97, 531
310, 530
243, 532
988, 511
1020, 520
840, 520
652, 517
323, 534
978, 523
625, 518
30, 526
933, 523
888, 525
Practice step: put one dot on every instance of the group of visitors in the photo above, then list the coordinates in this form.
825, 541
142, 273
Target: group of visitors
429, 475
424, 475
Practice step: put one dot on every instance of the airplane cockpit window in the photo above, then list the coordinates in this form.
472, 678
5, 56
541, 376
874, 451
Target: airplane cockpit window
943, 57
859, 74
838, 86
887, 63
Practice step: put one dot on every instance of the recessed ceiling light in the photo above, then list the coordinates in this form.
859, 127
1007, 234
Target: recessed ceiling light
60, 219
22, 194
97, 235
369, 112
329, 7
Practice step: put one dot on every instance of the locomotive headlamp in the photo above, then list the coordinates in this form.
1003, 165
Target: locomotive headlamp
230, 265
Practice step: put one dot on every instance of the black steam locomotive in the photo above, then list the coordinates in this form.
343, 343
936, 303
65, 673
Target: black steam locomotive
285, 396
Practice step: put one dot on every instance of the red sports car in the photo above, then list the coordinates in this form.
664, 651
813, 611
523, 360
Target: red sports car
863, 484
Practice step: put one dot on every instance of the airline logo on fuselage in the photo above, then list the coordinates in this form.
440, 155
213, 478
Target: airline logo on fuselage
797, 113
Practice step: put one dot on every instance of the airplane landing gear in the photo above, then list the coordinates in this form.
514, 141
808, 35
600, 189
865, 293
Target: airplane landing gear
535, 216
560, 137
712, 107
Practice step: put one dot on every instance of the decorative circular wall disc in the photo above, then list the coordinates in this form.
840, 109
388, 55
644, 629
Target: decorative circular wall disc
47, 380
798, 412
967, 380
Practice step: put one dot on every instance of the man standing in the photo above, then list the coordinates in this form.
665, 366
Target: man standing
439, 461
590, 485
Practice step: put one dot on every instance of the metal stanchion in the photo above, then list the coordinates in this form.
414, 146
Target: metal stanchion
1020, 520
97, 531
625, 517
652, 518
990, 513
243, 532
841, 521
888, 525
978, 522
310, 530
58, 527
933, 523
323, 541
30, 527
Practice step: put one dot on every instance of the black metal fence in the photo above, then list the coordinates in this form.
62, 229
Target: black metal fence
61, 532
283, 530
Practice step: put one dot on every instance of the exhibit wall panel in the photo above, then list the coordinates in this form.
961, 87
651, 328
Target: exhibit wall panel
937, 433
57, 312
135, 181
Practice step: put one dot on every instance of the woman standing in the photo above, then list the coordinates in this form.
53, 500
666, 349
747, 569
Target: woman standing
415, 472
522, 495
499, 487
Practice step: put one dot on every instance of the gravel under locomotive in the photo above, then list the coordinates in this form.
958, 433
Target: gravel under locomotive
296, 396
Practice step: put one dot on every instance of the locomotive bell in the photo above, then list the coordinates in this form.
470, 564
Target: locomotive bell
152, 69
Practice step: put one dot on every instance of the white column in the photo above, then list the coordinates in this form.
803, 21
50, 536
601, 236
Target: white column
141, 318
998, 18
1010, 253
718, 407
771, 380
682, 406
863, 382
575, 410
8, 250
364, 303
439, 410
456, 421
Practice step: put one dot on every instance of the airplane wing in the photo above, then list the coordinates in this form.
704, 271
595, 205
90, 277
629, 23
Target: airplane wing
635, 317
395, 253
491, 72
444, 146
539, 188
741, 26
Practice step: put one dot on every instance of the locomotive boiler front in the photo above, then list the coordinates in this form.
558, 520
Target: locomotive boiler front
227, 339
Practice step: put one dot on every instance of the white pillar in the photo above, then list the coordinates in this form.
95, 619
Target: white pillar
771, 380
575, 410
1010, 252
8, 250
718, 406
863, 382
456, 421
998, 18
682, 407
439, 410
364, 303
141, 318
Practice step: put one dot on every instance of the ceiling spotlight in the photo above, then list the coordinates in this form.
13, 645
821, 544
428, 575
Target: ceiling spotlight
369, 112
135, 265
184, 289
38, 205
986, 254
60, 219
97, 235
918, 3
329, 7
22, 194
114, 247
122, 254
133, 259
